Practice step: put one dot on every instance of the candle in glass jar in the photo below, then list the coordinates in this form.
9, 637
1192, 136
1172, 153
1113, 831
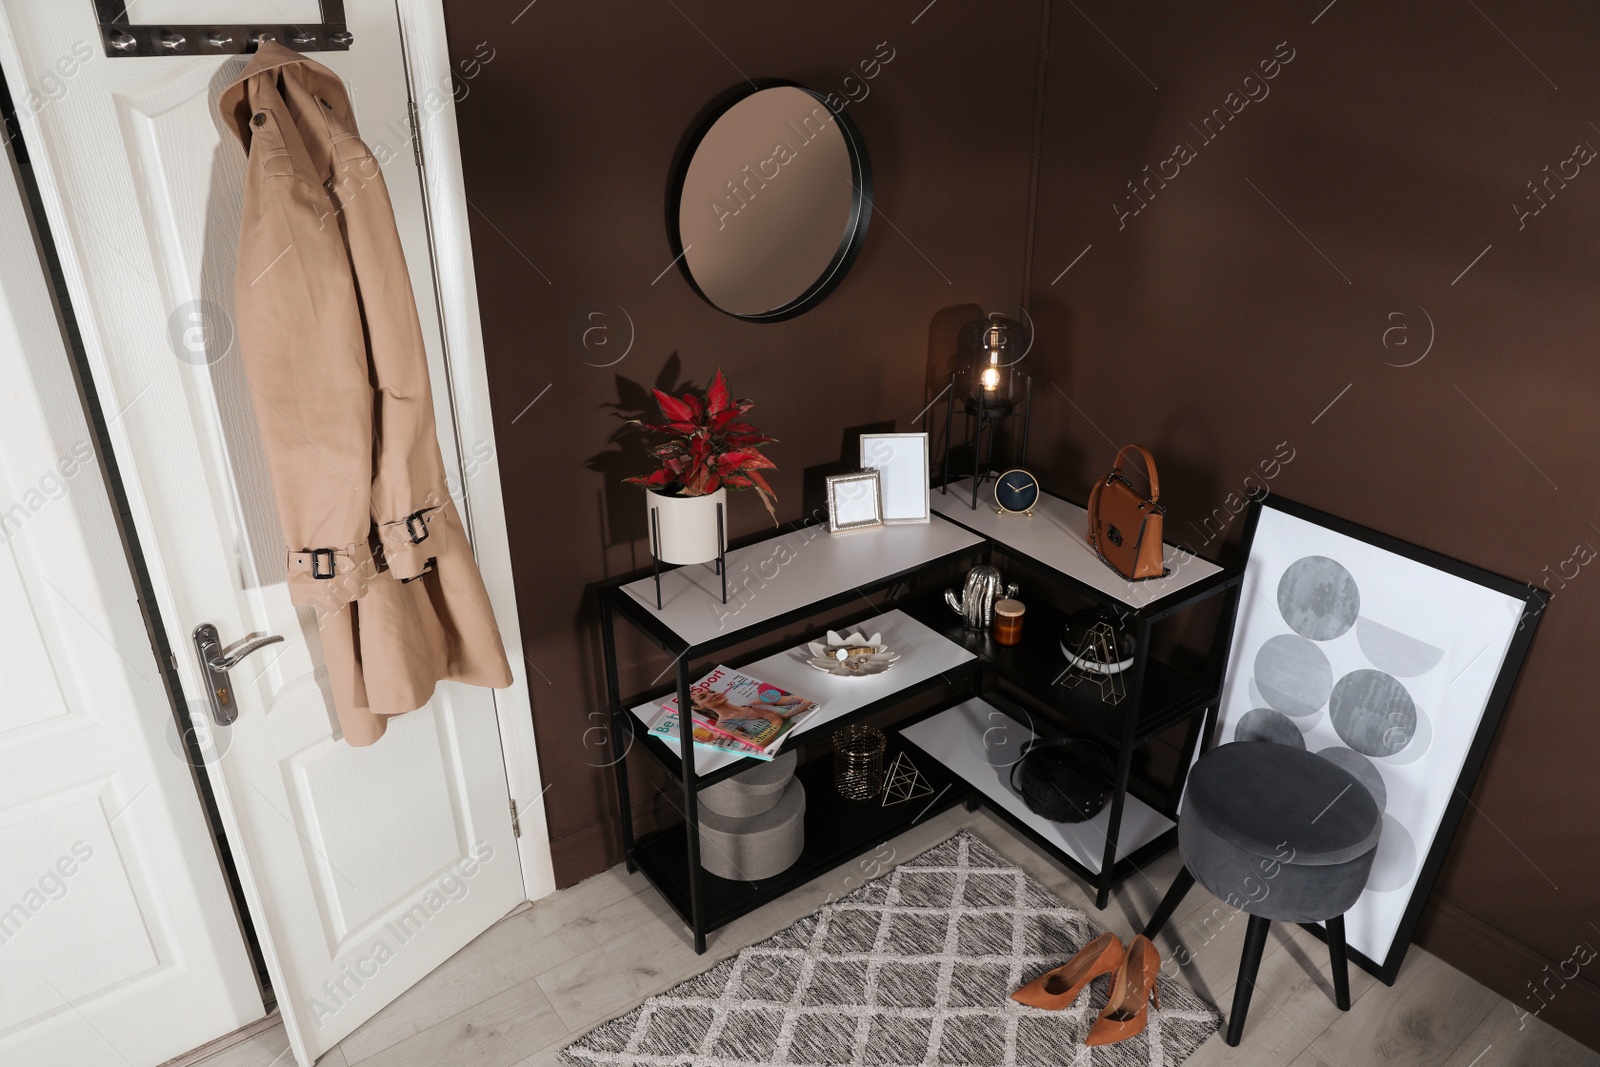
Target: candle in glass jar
1008, 622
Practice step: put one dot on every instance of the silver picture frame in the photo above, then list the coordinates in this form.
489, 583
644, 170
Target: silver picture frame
901, 460
855, 502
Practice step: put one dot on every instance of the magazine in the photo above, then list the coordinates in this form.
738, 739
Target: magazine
742, 709
666, 725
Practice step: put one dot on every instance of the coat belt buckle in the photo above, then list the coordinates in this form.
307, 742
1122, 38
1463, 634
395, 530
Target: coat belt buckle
318, 554
415, 522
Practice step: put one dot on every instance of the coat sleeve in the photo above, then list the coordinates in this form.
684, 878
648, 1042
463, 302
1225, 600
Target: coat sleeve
408, 483
304, 352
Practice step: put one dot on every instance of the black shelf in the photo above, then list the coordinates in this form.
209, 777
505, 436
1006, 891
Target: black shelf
1036, 665
1134, 862
1158, 696
837, 831
663, 754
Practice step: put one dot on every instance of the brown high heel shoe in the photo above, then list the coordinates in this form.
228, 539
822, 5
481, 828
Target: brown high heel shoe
1054, 990
1127, 1008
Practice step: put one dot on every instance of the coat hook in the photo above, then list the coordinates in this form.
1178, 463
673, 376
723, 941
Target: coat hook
118, 37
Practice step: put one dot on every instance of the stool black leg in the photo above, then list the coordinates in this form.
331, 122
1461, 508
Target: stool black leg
1341, 969
1255, 942
1169, 903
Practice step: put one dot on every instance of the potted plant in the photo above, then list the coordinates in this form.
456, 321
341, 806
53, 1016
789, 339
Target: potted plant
709, 450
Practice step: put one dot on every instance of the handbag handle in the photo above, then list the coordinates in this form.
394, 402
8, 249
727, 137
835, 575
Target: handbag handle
1149, 466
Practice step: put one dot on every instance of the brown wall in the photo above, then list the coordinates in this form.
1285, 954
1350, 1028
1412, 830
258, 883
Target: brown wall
568, 134
1207, 325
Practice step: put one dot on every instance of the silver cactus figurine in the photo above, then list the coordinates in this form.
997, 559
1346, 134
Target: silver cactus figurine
976, 603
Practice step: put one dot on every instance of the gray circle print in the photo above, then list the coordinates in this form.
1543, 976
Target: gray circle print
1293, 675
1264, 724
1318, 598
1372, 713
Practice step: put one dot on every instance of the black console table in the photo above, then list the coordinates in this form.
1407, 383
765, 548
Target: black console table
1048, 553
977, 701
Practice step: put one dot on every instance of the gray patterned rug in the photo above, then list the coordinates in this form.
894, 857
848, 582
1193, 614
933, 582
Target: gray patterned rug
915, 967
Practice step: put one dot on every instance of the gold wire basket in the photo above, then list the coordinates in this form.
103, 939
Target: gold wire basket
858, 762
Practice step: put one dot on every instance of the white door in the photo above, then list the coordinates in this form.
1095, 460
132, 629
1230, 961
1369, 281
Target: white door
363, 868
118, 940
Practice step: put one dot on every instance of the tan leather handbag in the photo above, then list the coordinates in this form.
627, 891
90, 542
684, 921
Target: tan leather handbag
1124, 524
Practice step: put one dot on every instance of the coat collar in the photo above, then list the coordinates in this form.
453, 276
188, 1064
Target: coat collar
236, 104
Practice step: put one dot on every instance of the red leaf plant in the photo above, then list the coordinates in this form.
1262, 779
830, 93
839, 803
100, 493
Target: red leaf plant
708, 446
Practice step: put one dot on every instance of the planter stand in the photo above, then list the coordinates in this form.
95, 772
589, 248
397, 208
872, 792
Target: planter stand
655, 554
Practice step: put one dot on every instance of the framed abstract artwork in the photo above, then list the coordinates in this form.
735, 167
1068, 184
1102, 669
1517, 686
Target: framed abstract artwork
1389, 660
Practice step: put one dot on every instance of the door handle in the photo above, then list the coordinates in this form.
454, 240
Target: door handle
217, 662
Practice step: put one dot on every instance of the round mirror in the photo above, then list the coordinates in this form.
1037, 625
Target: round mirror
770, 202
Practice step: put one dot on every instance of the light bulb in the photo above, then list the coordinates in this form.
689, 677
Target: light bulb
991, 378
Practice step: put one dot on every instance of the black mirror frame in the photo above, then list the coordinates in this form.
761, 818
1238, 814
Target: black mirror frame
860, 200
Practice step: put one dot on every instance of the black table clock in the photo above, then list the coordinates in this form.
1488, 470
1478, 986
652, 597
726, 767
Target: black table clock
1016, 492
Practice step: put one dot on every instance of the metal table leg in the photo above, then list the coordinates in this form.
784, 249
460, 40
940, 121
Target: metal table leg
691, 806
618, 732
1119, 795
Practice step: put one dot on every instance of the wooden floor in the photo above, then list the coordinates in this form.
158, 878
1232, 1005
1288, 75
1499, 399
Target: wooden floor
541, 978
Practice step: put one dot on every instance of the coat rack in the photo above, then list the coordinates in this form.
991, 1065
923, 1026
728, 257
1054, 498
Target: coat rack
122, 38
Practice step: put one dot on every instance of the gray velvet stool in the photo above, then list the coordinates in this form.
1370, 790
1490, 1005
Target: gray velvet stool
1279, 833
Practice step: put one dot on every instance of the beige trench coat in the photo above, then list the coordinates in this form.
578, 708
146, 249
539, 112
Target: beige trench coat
339, 381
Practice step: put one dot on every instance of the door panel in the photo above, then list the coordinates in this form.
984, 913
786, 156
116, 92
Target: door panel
363, 868
427, 837
51, 844
118, 940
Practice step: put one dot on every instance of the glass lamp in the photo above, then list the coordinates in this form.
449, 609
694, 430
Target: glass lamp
993, 349
989, 386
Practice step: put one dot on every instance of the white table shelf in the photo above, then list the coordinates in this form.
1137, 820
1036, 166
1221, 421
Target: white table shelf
789, 573
924, 654
1055, 535
979, 743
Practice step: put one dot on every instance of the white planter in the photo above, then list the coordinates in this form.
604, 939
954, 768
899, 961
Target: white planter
688, 525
